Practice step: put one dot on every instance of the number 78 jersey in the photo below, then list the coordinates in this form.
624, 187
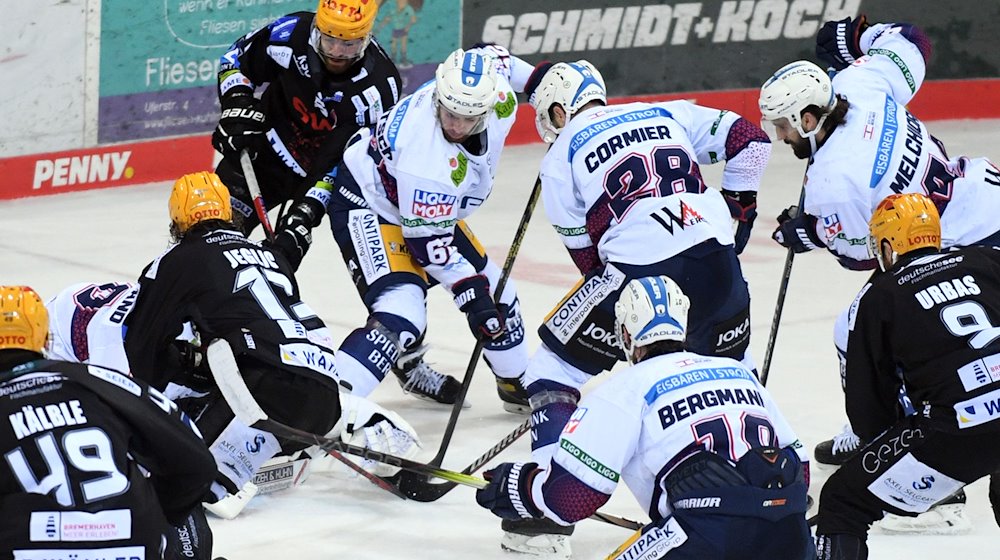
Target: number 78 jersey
643, 420
626, 180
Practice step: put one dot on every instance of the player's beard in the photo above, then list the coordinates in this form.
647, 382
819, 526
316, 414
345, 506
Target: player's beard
800, 147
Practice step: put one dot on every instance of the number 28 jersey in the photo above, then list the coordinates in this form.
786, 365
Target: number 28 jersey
626, 180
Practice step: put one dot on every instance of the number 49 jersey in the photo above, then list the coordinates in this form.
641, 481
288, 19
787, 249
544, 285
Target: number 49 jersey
73, 438
626, 180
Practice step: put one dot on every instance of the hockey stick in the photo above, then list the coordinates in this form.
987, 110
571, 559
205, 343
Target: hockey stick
421, 489
779, 306
258, 200
227, 376
508, 265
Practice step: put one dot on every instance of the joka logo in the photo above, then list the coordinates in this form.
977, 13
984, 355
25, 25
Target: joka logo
432, 205
80, 170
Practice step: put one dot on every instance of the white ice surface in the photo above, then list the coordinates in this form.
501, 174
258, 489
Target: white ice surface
105, 235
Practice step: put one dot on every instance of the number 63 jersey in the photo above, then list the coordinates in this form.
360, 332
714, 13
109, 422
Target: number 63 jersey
625, 179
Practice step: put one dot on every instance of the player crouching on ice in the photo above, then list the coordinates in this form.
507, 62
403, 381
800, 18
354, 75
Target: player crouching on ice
214, 283
698, 440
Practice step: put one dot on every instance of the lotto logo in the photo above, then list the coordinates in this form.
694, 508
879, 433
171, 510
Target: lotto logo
207, 214
13, 339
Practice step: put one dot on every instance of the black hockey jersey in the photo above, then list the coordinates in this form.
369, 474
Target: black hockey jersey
933, 324
228, 287
73, 439
312, 112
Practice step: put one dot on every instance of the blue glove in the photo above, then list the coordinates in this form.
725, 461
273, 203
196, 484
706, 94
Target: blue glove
838, 43
797, 231
498, 497
472, 296
743, 209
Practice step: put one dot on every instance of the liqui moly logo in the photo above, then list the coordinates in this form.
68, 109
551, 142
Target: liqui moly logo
432, 205
82, 170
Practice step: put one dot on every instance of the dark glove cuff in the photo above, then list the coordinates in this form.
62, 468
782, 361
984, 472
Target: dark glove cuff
742, 204
468, 290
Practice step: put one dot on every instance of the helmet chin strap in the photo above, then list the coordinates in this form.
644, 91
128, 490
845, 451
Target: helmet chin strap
811, 135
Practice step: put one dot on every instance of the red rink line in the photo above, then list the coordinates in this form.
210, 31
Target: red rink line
164, 160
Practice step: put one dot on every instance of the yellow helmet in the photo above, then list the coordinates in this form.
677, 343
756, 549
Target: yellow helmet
346, 19
906, 222
197, 197
24, 321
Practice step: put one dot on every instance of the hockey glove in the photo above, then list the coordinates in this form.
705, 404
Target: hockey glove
241, 126
743, 209
797, 231
472, 296
294, 234
838, 43
508, 495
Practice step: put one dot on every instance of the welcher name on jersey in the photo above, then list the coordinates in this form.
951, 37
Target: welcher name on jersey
692, 404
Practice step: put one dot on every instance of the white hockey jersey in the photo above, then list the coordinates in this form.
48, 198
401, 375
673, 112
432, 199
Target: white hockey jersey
626, 180
634, 424
412, 176
87, 324
883, 149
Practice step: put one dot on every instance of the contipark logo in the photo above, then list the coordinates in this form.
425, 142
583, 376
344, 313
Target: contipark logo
82, 170
635, 26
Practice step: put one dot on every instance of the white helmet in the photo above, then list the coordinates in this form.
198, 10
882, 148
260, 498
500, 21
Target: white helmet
794, 87
570, 84
467, 85
649, 310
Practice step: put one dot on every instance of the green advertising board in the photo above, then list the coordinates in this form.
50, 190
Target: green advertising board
159, 60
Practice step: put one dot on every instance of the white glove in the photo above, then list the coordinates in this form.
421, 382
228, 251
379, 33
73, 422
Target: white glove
366, 424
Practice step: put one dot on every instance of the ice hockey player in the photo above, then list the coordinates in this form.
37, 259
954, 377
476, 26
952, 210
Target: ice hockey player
327, 77
215, 283
98, 465
623, 188
863, 145
924, 327
697, 439
400, 199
